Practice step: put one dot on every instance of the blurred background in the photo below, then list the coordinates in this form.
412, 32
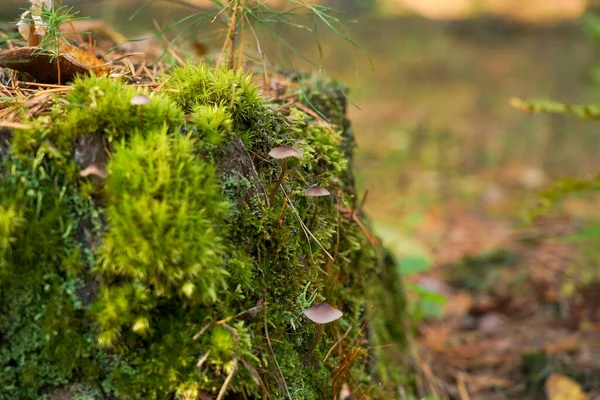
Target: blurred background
453, 172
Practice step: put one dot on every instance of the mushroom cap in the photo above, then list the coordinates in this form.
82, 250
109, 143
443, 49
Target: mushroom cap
140, 100
322, 313
285, 151
94, 170
316, 191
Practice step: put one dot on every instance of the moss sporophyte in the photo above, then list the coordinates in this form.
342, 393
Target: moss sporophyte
122, 236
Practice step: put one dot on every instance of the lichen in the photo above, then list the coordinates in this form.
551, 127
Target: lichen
165, 279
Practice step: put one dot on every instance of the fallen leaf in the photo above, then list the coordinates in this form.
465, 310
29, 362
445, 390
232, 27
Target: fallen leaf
45, 68
560, 387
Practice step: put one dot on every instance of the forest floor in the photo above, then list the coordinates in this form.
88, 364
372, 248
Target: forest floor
519, 316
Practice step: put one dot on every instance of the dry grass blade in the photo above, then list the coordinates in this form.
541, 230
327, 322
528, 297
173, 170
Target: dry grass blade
14, 125
305, 228
235, 363
336, 344
287, 390
201, 332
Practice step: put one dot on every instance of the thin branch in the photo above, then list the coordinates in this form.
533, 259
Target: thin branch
201, 332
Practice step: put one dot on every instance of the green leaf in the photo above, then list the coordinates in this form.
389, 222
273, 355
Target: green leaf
409, 265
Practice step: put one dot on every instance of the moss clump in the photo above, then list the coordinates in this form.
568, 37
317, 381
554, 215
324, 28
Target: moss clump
164, 211
164, 280
98, 105
201, 85
212, 125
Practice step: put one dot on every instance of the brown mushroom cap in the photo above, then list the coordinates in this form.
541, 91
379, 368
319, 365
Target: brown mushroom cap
316, 191
94, 170
322, 313
140, 100
285, 151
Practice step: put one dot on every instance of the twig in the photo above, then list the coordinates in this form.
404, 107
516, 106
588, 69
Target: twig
235, 362
202, 360
230, 33
273, 354
248, 311
201, 332
362, 202
242, 40
353, 215
305, 227
336, 343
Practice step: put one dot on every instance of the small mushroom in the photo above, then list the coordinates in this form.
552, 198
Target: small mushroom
283, 153
320, 314
140, 100
323, 313
316, 192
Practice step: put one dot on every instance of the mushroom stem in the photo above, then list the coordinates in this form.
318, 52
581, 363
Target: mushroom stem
284, 171
314, 344
314, 218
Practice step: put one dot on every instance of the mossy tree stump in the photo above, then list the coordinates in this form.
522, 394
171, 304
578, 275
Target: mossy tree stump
165, 279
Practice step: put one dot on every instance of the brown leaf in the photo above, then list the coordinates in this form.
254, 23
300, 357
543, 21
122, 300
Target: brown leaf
45, 69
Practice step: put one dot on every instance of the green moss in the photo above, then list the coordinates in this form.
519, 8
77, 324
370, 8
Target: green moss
213, 124
201, 85
177, 257
164, 228
98, 105
45, 340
